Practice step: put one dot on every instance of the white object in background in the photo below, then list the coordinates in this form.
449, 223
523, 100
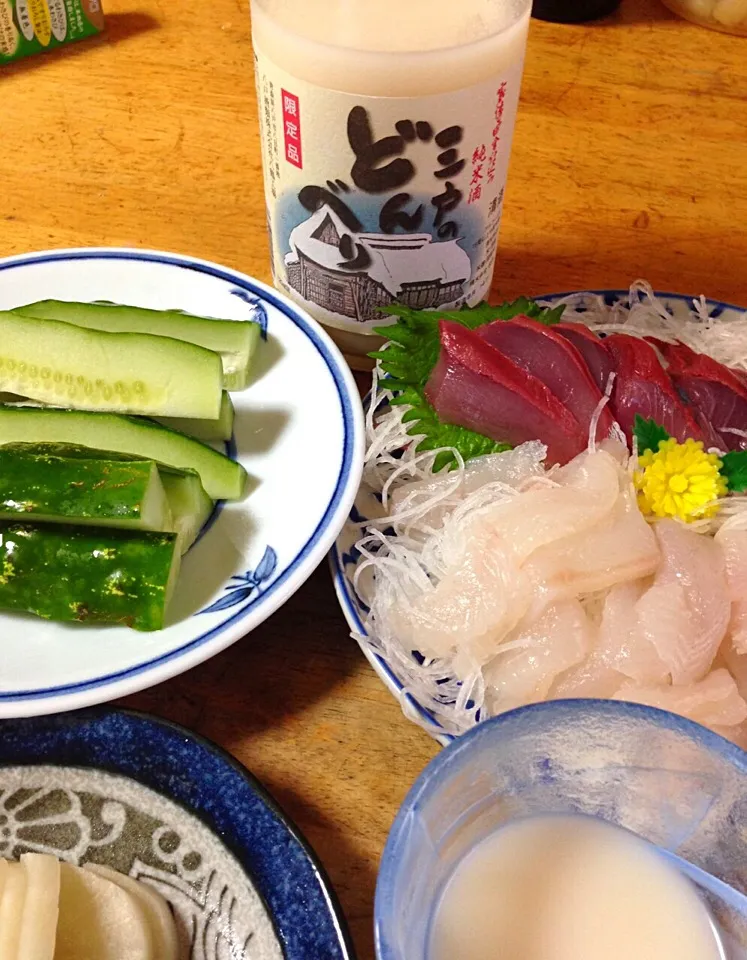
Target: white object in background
729, 16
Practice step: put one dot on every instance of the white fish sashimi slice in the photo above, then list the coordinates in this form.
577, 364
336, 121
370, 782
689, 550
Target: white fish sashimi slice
593, 678
617, 450
476, 603
481, 594
738, 625
664, 631
621, 652
560, 639
99, 920
713, 701
40, 908
623, 645
512, 467
11, 910
157, 911
586, 493
621, 547
688, 612
733, 542
736, 663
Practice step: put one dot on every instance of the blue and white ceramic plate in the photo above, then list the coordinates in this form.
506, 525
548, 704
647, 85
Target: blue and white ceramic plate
172, 810
344, 557
299, 433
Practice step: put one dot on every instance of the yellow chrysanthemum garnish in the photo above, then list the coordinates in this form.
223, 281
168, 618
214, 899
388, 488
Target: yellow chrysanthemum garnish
679, 480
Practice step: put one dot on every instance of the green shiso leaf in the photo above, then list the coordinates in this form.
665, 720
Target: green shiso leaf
648, 433
734, 470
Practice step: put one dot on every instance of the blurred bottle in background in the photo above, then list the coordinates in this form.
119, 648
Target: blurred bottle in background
573, 11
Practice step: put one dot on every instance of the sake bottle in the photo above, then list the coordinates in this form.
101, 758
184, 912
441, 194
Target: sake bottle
386, 133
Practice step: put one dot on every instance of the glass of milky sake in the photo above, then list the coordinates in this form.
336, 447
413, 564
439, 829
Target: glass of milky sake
386, 130
571, 830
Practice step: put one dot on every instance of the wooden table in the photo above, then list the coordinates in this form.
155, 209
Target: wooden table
630, 160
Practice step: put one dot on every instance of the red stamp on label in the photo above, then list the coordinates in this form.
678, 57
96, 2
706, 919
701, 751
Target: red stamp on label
292, 129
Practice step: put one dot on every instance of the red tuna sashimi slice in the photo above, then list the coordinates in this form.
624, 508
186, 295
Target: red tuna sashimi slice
591, 347
719, 405
711, 437
683, 361
676, 356
717, 393
473, 385
643, 387
547, 355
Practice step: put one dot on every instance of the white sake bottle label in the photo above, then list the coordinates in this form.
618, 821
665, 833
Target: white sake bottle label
376, 200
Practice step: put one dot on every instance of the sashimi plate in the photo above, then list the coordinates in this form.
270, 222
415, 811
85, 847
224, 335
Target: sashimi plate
345, 557
299, 434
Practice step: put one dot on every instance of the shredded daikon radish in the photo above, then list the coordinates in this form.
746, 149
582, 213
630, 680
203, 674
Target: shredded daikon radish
594, 423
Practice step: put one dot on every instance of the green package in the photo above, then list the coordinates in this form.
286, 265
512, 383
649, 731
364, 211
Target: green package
34, 26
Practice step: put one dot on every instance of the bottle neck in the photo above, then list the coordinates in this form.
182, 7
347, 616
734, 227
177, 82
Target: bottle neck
381, 73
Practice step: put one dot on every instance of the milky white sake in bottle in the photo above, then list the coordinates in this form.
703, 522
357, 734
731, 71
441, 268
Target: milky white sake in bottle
386, 132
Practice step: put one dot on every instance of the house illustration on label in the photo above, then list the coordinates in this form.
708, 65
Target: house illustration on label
411, 269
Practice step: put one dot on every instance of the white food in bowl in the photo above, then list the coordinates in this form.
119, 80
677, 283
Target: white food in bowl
99, 920
157, 912
57, 911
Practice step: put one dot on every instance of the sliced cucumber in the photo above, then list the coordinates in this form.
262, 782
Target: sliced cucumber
186, 506
206, 430
88, 574
59, 363
235, 340
222, 478
44, 488
189, 504
70, 452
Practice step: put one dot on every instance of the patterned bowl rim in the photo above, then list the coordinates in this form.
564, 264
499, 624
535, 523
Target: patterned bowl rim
42, 738
346, 596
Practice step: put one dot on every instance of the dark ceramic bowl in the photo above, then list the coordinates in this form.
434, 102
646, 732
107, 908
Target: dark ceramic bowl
169, 808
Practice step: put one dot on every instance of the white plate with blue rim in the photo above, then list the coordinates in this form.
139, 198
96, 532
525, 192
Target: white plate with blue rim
345, 556
299, 434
